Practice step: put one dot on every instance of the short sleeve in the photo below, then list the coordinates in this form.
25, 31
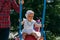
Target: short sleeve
24, 19
34, 21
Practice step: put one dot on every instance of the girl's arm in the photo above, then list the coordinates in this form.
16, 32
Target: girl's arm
22, 22
38, 25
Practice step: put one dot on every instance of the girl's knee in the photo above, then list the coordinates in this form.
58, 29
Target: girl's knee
41, 38
33, 33
23, 35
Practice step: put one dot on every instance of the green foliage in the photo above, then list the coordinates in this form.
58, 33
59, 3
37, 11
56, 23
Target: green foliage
50, 36
14, 17
53, 17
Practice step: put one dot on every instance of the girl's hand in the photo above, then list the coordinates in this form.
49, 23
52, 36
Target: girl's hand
37, 25
22, 1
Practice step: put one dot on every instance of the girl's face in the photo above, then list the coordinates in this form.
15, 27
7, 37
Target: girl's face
30, 17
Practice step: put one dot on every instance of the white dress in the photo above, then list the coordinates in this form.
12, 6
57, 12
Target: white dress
28, 27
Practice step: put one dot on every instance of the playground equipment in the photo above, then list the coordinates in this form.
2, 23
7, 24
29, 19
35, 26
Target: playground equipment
30, 37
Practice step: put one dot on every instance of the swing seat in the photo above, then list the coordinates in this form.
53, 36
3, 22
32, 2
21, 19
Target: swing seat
30, 37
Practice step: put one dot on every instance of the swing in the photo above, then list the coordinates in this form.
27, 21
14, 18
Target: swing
30, 37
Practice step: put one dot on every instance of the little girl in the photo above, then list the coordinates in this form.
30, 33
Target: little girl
29, 23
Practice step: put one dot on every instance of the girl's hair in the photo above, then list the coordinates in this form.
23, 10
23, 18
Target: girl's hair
29, 12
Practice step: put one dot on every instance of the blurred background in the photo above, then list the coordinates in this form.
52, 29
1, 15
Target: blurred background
52, 18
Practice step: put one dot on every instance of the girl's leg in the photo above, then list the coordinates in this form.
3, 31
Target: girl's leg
23, 35
34, 34
38, 38
41, 38
38, 35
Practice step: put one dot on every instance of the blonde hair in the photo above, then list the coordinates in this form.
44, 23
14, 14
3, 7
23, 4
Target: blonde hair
29, 12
